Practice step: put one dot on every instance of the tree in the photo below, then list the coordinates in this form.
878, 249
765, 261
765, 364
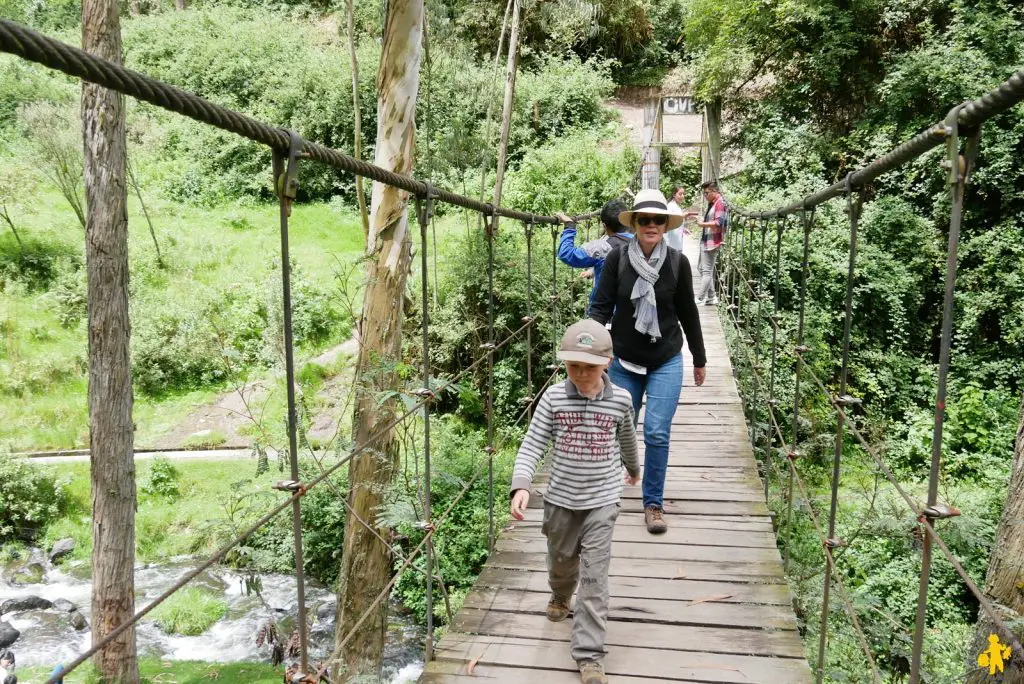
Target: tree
111, 435
1005, 576
506, 112
357, 123
57, 144
366, 562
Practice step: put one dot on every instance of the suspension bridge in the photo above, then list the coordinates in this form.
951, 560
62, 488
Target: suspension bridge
707, 602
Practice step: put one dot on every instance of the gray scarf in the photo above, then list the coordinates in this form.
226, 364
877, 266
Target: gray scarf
644, 304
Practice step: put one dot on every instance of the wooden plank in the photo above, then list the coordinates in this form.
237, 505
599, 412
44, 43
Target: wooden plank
667, 590
658, 551
758, 642
534, 516
676, 534
625, 661
440, 671
654, 568
636, 609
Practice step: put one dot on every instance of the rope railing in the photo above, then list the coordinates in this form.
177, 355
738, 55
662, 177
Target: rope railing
960, 133
289, 148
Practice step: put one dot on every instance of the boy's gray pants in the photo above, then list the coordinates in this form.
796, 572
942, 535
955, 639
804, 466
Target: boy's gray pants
584, 538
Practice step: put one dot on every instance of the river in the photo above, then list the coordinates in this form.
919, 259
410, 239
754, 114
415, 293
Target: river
47, 637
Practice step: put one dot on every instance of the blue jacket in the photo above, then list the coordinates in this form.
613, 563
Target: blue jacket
590, 255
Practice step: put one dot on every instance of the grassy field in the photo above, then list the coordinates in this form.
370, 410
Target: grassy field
205, 251
166, 526
154, 671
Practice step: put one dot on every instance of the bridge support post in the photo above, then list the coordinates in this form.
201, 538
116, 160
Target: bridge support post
286, 182
853, 208
959, 166
807, 219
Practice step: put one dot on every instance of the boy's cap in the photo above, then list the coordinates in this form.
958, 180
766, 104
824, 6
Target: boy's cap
586, 342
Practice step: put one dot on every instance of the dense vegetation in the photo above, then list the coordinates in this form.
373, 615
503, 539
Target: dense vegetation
829, 88
811, 90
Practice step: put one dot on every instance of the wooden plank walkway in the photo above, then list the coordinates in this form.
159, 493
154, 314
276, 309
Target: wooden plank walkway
705, 602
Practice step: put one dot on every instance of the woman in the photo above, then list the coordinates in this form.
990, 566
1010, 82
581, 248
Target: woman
674, 236
646, 292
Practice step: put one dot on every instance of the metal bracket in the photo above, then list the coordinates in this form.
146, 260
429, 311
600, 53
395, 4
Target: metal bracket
801, 349
939, 511
959, 165
425, 393
835, 543
287, 182
847, 400
793, 455
290, 486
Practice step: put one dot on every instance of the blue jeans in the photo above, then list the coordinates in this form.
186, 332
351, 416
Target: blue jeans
662, 385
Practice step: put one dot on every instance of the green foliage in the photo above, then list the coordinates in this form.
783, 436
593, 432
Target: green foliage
34, 263
164, 479
190, 612
30, 498
461, 542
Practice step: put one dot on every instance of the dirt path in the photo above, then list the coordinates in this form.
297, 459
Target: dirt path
233, 414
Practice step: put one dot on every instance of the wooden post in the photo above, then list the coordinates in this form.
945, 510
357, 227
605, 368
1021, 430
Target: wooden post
652, 134
506, 113
111, 433
711, 160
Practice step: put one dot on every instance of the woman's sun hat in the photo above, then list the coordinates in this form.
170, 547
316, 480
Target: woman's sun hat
650, 202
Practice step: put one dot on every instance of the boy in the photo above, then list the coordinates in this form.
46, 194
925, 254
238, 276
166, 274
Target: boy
590, 422
591, 255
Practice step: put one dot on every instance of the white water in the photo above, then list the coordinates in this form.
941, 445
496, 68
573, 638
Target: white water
46, 639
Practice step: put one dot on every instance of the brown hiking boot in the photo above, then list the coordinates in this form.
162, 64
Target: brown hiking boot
592, 672
558, 608
654, 516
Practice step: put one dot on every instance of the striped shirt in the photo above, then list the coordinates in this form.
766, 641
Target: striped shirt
593, 439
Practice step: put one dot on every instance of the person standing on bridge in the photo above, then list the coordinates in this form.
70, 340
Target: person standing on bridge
646, 293
592, 254
590, 422
713, 227
674, 237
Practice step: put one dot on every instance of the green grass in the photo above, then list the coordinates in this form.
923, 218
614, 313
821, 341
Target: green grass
203, 249
205, 440
165, 527
190, 611
156, 671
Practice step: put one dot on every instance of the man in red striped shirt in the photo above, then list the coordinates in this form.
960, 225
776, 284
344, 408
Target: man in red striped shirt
713, 227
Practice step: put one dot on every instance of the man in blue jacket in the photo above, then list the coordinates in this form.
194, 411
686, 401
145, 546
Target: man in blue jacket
593, 253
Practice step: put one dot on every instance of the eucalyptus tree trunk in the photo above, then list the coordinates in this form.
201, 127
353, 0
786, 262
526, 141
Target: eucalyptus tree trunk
112, 464
1004, 583
506, 112
366, 561
357, 145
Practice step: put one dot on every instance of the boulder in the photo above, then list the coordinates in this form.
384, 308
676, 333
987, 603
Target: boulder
61, 548
78, 620
25, 603
8, 635
327, 610
26, 573
64, 606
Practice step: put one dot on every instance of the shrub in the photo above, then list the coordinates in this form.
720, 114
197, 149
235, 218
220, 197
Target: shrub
163, 479
191, 612
35, 263
30, 497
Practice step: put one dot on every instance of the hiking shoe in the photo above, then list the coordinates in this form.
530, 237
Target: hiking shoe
558, 608
592, 672
654, 516
700, 301
712, 302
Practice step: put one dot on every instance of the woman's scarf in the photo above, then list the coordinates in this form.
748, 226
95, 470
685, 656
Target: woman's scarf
644, 304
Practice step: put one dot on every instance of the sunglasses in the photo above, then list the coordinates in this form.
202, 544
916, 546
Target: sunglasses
657, 219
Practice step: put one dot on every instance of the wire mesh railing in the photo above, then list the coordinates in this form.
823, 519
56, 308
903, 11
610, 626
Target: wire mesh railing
746, 304
289, 150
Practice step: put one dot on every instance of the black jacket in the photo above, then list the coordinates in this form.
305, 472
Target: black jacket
675, 306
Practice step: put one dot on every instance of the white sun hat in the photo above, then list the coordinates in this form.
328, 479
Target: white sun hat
650, 202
